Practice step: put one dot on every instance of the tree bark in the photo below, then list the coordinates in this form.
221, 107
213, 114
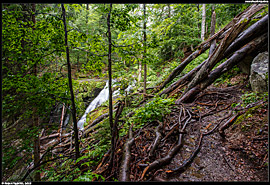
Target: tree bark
77, 150
182, 66
250, 33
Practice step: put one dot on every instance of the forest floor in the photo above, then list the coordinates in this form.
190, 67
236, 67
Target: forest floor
242, 155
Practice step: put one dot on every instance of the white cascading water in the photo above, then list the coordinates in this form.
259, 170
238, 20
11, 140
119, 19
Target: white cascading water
101, 98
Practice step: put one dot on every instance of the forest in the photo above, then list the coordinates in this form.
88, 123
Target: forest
134, 92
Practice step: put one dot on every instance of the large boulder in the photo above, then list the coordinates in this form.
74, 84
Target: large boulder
259, 73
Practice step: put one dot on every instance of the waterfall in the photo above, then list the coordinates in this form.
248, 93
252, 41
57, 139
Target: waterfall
101, 98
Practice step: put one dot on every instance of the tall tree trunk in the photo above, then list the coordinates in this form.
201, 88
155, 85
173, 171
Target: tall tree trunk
35, 116
203, 22
77, 150
112, 126
144, 53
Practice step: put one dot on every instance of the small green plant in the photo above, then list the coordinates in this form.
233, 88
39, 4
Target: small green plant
252, 97
154, 110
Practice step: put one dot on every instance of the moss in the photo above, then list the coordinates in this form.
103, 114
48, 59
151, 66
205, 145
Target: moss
246, 115
94, 114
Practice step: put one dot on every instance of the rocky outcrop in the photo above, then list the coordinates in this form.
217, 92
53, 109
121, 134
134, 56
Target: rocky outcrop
259, 73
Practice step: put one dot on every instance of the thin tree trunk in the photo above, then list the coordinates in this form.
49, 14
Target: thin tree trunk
203, 22
110, 89
144, 53
35, 116
77, 150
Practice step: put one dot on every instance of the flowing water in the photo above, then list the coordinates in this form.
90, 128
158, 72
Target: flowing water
101, 98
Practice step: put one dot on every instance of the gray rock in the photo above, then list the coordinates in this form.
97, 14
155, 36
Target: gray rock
259, 73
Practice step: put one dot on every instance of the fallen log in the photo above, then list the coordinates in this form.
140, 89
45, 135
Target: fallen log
94, 123
252, 32
217, 55
49, 136
182, 66
186, 78
255, 30
240, 24
259, 42
251, 10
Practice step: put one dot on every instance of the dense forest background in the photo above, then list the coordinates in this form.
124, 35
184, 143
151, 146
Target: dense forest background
57, 58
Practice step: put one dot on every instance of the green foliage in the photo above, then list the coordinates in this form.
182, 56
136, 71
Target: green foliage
27, 46
154, 110
253, 97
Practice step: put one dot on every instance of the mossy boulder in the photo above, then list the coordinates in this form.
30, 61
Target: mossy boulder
259, 73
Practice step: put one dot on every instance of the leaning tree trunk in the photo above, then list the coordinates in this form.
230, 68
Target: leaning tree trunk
75, 127
252, 32
239, 55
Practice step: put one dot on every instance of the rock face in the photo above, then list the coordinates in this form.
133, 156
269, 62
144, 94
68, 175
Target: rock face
259, 73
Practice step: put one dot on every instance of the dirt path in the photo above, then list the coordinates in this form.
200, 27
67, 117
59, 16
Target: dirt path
216, 159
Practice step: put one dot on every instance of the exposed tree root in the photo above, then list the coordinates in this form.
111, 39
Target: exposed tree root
165, 160
124, 168
157, 139
187, 162
228, 124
